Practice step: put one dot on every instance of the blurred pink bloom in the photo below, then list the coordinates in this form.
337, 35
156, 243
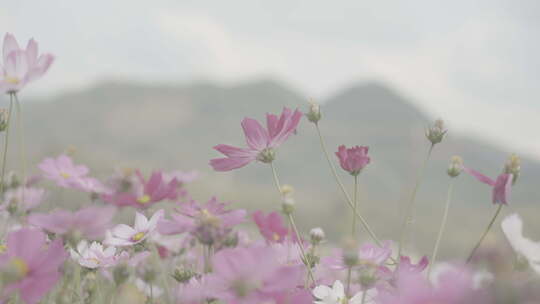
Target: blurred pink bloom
31, 264
375, 255
24, 198
144, 193
271, 226
501, 186
208, 222
454, 286
90, 222
124, 235
180, 176
251, 275
21, 66
261, 142
193, 292
354, 159
406, 266
63, 171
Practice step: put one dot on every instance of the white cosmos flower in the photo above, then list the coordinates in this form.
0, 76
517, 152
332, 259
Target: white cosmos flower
95, 255
124, 235
334, 295
512, 227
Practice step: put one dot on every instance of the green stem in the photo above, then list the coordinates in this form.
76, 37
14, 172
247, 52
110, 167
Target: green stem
471, 255
6, 143
22, 147
355, 207
293, 225
441, 229
348, 287
364, 296
343, 190
409, 211
163, 273
78, 287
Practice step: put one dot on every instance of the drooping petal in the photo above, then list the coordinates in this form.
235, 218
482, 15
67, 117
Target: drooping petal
479, 176
230, 163
502, 188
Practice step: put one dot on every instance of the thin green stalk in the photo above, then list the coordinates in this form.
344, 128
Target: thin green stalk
441, 229
78, 287
355, 207
22, 147
163, 273
6, 143
364, 296
293, 225
353, 230
485, 233
343, 190
409, 211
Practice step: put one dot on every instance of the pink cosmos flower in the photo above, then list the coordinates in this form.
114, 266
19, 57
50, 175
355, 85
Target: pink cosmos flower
31, 264
454, 286
21, 66
261, 142
501, 186
251, 275
354, 159
368, 255
96, 255
124, 235
208, 223
405, 265
90, 222
271, 226
63, 171
144, 193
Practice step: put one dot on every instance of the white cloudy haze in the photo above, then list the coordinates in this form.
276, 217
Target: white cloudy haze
475, 63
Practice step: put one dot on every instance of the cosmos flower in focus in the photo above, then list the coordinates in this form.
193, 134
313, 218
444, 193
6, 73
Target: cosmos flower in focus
261, 142
124, 235
354, 159
335, 295
96, 256
21, 66
500, 187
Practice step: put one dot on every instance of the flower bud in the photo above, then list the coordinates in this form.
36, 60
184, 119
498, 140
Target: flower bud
456, 166
435, 133
350, 252
267, 155
513, 166
314, 113
287, 190
288, 205
183, 275
3, 119
316, 235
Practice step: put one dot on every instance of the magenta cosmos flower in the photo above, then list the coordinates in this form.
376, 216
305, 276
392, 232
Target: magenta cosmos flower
271, 226
354, 159
21, 66
261, 142
144, 193
501, 186
30, 264
90, 222
208, 223
251, 275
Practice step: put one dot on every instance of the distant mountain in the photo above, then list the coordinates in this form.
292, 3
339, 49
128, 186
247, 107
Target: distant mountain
176, 126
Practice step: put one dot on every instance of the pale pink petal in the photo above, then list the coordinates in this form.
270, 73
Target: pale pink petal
479, 176
256, 136
227, 164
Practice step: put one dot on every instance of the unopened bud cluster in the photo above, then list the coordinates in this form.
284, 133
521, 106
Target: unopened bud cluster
314, 113
513, 166
436, 132
316, 235
456, 166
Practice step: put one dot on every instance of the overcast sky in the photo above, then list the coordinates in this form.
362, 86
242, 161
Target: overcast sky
474, 63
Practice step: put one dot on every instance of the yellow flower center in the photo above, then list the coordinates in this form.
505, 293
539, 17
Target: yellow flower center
208, 218
12, 80
276, 237
143, 199
95, 260
20, 267
3, 248
137, 237
65, 175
